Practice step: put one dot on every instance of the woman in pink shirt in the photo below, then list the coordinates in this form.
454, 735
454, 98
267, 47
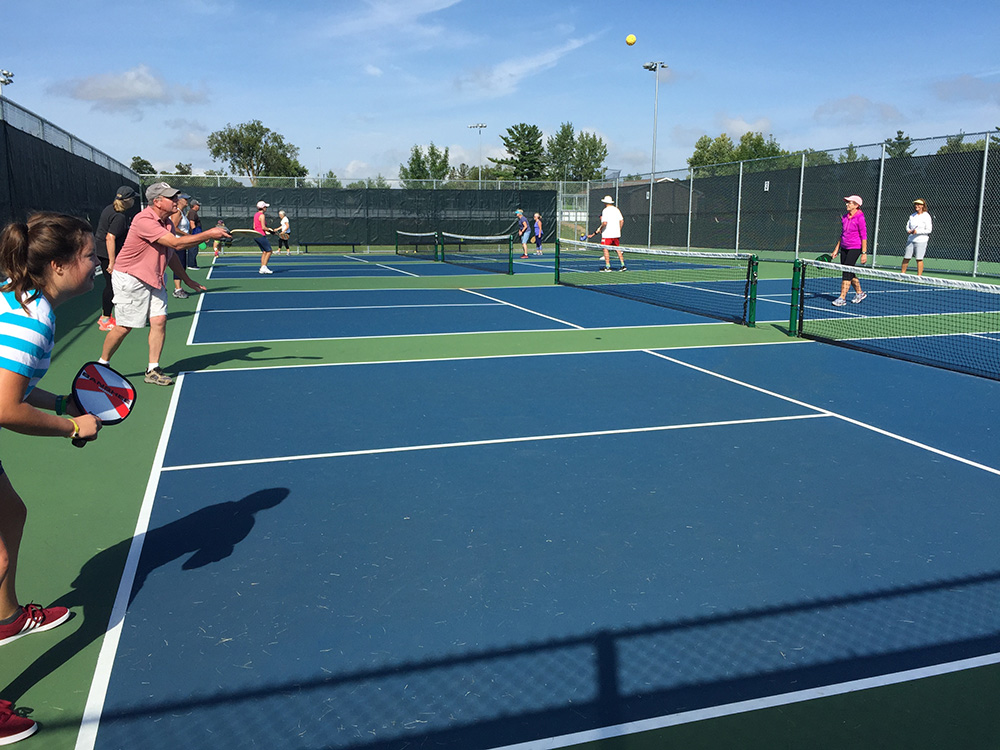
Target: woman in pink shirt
260, 226
854, 243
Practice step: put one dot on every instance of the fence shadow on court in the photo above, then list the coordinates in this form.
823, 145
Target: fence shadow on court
526, 692
206, 536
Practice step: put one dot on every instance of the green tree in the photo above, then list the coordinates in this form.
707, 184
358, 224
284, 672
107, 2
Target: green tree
437, 162
754, 146
559, 152
524, 144
589, 153
955, 144
254, 150
216, 177
708, 151
180, 168
328, 180
851, 155
141, 166
415, 169
898, 147
378, 183
422, 167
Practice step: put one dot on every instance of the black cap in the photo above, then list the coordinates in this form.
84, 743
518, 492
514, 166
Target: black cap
125, 193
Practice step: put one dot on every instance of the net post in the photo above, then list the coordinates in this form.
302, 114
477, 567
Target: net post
794, 319
752, 293
557, 261
438, 246
510, 255
397, 242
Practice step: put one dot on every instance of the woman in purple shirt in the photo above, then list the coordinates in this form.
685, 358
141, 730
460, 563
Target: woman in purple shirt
854, 243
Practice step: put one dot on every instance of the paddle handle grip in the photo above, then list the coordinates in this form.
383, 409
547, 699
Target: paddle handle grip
80, 442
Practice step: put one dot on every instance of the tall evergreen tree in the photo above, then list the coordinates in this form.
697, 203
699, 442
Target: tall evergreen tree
524, 144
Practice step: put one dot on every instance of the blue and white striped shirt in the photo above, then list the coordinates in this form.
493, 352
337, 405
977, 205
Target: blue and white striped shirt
26, 338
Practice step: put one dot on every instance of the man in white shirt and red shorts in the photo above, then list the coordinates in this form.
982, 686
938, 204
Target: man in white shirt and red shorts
612, 222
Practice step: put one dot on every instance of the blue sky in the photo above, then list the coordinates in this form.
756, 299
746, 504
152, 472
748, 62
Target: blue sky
356, 84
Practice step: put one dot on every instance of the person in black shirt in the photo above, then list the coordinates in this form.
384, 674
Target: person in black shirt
112, 229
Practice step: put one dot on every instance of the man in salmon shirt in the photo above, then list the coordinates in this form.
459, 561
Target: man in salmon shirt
137, 280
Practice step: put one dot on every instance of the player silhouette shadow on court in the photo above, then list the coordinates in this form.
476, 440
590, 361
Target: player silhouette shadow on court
208, 535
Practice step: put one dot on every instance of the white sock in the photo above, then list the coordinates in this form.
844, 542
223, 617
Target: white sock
102, 361
152, 366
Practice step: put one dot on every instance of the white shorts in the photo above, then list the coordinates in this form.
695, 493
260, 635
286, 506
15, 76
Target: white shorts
916, 246
136, 301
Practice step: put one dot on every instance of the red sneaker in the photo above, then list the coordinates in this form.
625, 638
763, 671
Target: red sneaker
33, 619
14, 728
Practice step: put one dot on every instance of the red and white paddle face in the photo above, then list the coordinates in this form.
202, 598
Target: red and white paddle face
101, 391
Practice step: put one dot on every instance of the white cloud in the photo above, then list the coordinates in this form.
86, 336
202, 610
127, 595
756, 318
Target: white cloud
358, 169
505, 77
379, 16
968, 88
856, 110
187, 135
130, 91
373, 70
737, 126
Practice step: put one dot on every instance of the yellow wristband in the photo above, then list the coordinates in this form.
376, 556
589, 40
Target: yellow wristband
76, 428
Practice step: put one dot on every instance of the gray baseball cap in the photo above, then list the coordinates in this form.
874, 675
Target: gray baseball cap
160, 189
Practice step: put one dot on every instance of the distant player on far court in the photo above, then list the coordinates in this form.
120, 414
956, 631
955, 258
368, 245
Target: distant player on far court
284, 232
524, 230
261, 228
538, 234
612, 222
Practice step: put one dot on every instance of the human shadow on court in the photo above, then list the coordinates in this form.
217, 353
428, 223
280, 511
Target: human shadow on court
208, 535
245, 354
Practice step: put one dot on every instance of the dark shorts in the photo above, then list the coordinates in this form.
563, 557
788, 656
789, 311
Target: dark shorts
849, 256
282, 243
263, 244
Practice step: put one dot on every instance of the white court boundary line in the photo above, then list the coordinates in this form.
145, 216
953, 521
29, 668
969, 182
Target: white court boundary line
732, 709
93, 711
487, 441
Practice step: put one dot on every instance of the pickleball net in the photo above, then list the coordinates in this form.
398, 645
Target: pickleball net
417, 243
717, 285
493, 253
940, 322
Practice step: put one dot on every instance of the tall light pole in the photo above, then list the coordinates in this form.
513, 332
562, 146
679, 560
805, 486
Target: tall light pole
6, 78
479, 126
655, 68
319, 166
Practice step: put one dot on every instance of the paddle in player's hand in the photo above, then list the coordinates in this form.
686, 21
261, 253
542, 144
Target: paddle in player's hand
100, 390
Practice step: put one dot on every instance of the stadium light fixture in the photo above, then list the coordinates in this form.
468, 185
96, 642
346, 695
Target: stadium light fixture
6, 78
655, 68
479, 126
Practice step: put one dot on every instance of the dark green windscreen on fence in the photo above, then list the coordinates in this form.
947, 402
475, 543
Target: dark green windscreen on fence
765, 201
372, 216
39, 176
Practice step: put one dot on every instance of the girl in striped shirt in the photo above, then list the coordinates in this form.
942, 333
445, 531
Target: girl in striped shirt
48, 260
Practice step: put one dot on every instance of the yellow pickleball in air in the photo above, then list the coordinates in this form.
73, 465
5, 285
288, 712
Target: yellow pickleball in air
630, 40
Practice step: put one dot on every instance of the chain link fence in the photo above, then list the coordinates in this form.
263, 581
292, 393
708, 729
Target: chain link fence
785, 207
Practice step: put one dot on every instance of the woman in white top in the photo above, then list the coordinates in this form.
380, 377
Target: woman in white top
283, 232
918, 230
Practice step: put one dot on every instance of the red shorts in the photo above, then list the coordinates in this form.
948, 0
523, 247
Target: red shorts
613, 241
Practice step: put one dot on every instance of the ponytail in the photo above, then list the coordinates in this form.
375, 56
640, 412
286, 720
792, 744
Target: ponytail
28, 249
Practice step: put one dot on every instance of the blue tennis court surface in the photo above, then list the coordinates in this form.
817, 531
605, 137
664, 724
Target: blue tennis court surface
477, 553
270, 316
357, 265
